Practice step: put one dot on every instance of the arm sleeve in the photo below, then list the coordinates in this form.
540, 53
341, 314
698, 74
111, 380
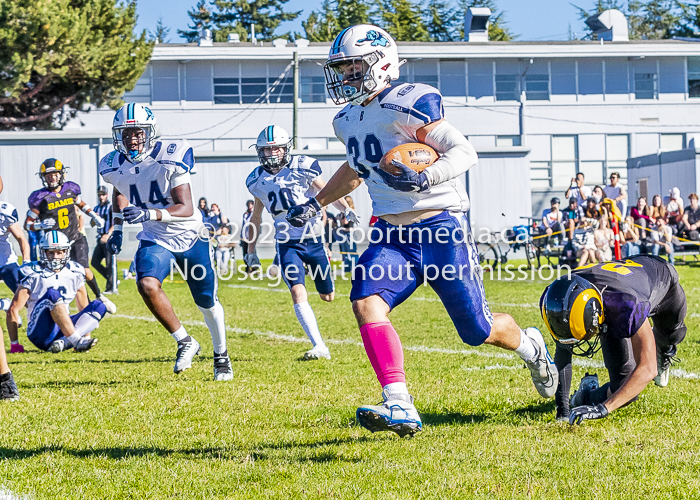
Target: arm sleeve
178, 179
457, 155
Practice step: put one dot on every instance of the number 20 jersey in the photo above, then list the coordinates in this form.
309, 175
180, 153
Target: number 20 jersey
389, 120
147, 184
289, 187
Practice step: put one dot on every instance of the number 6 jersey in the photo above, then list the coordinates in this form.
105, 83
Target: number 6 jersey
392, 118
289, 187
58, 206
147, 184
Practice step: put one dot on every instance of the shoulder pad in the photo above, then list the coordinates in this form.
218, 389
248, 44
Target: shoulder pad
309, 164
418, 100
29, 269
75, 267
253, 176
72, 186
9, 210
110, 163
36, 197
342, 112
176, 152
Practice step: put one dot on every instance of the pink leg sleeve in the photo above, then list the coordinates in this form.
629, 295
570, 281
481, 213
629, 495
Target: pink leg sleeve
385, 352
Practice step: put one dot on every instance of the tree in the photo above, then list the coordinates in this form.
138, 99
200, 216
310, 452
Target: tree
650, 20
403, 20
266, 15
201, 17
335, 15
160, 35
498, 29
690, 21
61, 55
443, 22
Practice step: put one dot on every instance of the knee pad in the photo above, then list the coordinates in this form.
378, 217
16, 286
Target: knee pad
205, 300
96, 309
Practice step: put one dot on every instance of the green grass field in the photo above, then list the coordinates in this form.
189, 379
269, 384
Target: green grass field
117, 423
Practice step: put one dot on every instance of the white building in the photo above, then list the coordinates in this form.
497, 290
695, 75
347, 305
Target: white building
537, 112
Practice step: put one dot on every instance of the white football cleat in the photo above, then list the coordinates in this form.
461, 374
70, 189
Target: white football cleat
185, 352
588, 384
318, 352
544, 372
111, 307
85, 344
663, 365
396, 414
222, 367
58, 346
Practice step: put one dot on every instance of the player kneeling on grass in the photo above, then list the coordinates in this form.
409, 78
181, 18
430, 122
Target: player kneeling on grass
280, 182
416, 211
47, 288
610, 305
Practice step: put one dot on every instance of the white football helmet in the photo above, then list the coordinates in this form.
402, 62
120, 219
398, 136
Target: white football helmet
274, 136
362, 61
54, 240
134, 115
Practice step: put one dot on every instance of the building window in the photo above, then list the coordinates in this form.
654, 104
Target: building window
313, 89
452, 78
507, 141
283, 91
507, 88
142, 90
226, 91
537, 87
694, 77
564, 159
253, 90
645, 85
616, 154
671, 142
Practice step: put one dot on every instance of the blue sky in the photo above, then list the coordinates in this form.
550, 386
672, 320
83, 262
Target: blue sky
530, 19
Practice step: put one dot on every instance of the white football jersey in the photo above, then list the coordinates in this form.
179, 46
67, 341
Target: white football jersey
289, 187
389, 120
147, 185
8, 216
38, 280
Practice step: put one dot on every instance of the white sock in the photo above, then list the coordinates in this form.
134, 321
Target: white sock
180, 334
396, 388
307, 320
84, 326
5, 304
527, 350
214, 318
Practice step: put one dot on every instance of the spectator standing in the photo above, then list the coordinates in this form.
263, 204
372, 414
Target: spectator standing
104, 210
203, 207
245, 231
578, 189
216, 218
690, 226
552, 219
348, 247
616, 191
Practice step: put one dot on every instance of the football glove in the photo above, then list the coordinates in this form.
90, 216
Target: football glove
114, 243
45, 224
351, 216
16, 348
136, 215
581, 413
299, 215
252, 261
408, 180
99, 221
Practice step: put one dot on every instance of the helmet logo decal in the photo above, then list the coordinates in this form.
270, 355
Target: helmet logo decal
376, 38
149, 112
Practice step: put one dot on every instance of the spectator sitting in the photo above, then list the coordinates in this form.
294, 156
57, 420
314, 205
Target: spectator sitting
630, 235
641, 215
690, 224
552, 219
224, 246
604, 240
216, 218
598, 195
348, 247
674, 209
591, 211
584, 241
578, 190
572, 215
615, 191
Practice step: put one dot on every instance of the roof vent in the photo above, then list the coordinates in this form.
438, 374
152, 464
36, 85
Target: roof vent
279, 43
205, 38
476, 24
234, 38
301, 42
609, 25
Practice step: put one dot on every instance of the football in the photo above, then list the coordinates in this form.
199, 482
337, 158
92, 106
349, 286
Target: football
414, 155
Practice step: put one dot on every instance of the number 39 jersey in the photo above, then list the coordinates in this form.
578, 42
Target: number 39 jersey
147, 185
389, 120
289, 187
58, 206
38, 280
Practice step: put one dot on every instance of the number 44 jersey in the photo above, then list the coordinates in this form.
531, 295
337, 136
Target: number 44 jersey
147, 184
289, 187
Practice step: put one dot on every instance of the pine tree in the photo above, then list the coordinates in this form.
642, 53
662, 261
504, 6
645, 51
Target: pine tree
160, 34
335, 15
403, 20
650, 20
498, 29
352, 12
442, 21
68, 54
266, 15
201, 17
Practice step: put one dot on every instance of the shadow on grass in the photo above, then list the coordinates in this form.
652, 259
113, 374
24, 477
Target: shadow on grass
161, 359
67, 384
535, 410
453, 418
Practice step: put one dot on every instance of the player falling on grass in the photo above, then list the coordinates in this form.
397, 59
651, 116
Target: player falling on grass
9, 267
47, 288
362, 63
52, 207
151, 180
610, 305
280, 182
